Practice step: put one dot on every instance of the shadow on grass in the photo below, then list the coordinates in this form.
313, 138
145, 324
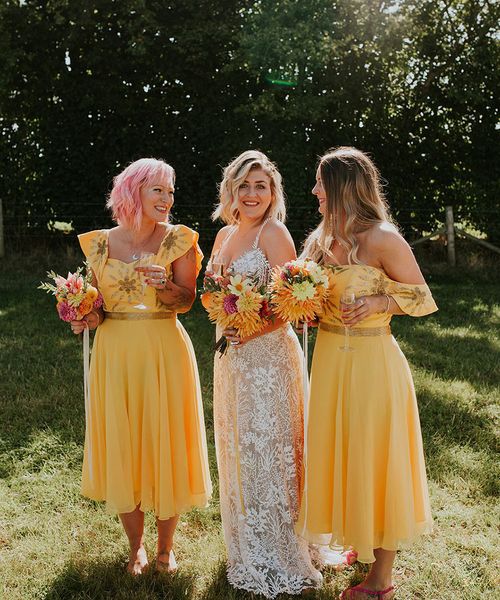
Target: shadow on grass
100, 581
454, 357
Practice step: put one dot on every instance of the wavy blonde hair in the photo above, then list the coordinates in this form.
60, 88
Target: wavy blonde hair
354, 202
235, 174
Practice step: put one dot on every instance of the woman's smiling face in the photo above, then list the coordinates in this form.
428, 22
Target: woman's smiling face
255, 195
157, 199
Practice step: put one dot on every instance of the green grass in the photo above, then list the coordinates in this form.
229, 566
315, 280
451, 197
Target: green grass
55, 544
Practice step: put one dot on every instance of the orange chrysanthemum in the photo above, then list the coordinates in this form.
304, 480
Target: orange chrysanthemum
247, 322
290, 308
298, 290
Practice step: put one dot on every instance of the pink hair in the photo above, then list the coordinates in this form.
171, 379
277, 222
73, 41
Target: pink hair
125, 200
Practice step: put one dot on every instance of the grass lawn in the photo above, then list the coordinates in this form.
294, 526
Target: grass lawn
54, 544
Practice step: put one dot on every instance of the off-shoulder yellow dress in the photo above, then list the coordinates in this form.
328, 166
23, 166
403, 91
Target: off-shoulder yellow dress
365, 482
145, 445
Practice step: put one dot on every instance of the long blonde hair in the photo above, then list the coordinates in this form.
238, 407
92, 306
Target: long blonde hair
354, 202
235, 174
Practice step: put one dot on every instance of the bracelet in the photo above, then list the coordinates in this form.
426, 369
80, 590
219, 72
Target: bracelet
388, 304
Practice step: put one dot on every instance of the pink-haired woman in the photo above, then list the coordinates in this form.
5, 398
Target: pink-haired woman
145, 444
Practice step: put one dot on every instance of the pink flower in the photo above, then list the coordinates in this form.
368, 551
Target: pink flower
66, 312
98, 302
60, 281
74, 283
229, 304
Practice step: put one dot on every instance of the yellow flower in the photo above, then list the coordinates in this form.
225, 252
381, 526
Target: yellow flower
249, 301
303, 291
91, 293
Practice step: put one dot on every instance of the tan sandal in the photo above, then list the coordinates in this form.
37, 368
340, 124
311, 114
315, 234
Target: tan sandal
135, 568
166, 566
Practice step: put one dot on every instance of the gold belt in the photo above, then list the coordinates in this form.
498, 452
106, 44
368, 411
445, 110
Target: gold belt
126, 316
360, 331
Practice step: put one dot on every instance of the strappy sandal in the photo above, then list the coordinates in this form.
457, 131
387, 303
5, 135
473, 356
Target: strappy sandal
350, 557
141, 568
379, 594
166, 566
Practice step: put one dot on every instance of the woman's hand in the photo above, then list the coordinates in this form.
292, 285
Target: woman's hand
362, 308
300, 328
233, 338
90, 321
154, 276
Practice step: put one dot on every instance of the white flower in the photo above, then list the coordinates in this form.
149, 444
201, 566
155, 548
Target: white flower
303, 291
238, 285
318, 276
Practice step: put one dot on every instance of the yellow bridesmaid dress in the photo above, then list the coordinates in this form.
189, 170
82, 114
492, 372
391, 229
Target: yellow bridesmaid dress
145, 441
365, 481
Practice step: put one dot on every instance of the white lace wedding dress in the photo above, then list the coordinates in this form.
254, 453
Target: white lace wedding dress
258, 410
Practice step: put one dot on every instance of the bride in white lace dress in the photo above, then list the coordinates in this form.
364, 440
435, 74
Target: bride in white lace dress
258, 399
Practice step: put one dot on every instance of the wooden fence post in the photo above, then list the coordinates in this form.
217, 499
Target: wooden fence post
2, 244
450, 236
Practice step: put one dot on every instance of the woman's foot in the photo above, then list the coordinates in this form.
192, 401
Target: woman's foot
166, 563
138, 561
363, 592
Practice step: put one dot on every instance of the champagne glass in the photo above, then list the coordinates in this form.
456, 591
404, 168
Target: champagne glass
218, 265
145, 260
347, 299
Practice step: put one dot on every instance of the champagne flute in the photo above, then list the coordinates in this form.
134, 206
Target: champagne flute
347, 299
145, 260
218, 265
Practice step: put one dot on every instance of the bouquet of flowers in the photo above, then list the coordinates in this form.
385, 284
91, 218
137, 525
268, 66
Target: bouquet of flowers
75, 295
235, 302
298, 290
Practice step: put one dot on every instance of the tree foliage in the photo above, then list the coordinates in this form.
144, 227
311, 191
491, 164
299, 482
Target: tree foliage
88, 86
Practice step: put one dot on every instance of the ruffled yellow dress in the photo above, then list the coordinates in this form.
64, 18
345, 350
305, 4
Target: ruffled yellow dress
365, 482
145, 441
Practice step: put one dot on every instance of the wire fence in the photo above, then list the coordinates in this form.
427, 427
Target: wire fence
40, 226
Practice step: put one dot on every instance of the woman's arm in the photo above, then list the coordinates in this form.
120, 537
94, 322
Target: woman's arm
394, 255
178, 294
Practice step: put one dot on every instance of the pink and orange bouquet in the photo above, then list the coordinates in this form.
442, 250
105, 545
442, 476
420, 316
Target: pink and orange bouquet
75, 295
235, 302
298, 290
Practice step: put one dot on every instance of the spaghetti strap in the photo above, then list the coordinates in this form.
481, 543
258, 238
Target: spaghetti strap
255, 244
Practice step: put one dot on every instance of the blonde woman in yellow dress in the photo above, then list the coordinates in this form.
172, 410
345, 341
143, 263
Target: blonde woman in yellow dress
258, 399
366, 484
145, 448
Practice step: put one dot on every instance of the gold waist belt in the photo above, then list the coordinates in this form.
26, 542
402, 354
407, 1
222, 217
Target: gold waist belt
360, 331
126, 316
